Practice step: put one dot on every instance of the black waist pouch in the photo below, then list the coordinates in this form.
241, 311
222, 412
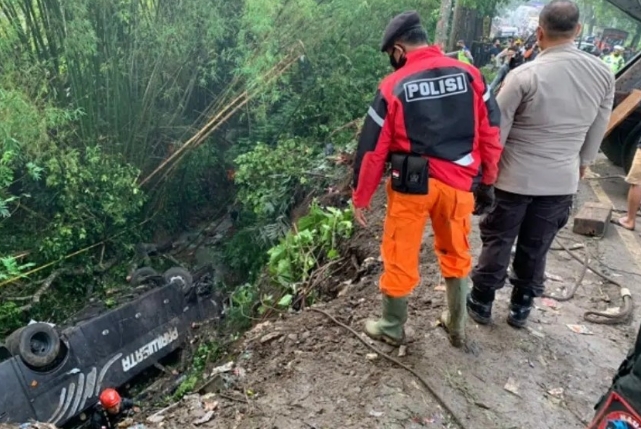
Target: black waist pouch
410, 173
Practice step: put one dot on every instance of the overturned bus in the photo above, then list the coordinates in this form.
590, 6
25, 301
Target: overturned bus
53, 376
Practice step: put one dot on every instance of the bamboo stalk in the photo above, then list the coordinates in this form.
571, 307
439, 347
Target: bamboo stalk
221, 121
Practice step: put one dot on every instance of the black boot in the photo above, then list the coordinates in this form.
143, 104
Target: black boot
520, 306
479, 306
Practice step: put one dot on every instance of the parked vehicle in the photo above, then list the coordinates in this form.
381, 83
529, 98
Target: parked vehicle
52, 376
610, 37
589, 48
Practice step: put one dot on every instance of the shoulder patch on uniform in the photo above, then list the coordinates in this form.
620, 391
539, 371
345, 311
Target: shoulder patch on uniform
437, 87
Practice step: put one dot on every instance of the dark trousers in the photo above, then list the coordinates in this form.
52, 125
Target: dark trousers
535, 221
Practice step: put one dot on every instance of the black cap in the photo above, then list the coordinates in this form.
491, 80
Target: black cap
398, 26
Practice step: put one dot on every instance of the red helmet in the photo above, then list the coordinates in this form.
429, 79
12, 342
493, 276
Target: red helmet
109, 398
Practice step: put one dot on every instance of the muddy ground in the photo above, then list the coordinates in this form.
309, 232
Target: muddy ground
303, 371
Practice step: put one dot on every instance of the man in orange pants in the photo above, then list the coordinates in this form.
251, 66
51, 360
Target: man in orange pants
436, 122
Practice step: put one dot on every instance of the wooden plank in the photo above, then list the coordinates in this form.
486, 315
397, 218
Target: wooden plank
592, 219
623, 110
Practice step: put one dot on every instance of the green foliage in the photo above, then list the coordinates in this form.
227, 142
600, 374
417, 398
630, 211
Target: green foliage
10, 268
24, 144
10, 314
269, 177
55, 199
314, 240
339, 67
242, 302
96, 196
207, 352
187, 386
245, 253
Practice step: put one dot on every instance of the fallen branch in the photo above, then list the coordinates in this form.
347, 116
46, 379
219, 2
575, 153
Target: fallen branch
18, 298
356, 124
395, 361
316, 278
162, 368
206, 384
164, 410
46, 285
232, 398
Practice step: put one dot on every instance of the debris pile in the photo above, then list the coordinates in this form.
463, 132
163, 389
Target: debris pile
193, 410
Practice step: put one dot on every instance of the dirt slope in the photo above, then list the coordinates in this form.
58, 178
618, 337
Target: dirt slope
303, 371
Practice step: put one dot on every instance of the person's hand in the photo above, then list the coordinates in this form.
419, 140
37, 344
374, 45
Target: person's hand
359, 215
582, 171
136, 409
483, 199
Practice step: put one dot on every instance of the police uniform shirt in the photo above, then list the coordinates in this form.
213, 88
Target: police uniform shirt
554, 112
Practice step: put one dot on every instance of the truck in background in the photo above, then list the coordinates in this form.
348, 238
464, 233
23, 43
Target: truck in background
620, 145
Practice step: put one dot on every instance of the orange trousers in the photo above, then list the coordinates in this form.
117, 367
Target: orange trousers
450, 211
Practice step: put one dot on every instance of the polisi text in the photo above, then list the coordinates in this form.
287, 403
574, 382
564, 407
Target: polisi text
438, 87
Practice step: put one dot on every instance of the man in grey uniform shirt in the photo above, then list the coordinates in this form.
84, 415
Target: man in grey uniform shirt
554, 112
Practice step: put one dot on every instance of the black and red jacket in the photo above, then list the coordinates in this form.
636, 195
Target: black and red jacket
436, 107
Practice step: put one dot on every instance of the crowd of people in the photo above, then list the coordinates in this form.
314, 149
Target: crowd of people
506, 57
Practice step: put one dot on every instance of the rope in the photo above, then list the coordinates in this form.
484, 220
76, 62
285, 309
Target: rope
599, 317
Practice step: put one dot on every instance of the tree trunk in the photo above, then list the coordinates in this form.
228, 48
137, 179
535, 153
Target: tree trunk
443, 23
637, 37
457, 27
463, 25
591, 20
479, 28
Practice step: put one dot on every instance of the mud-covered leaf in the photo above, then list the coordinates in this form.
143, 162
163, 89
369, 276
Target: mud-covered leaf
286, 300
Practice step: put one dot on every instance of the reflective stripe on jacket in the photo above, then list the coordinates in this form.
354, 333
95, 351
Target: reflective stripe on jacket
462, 56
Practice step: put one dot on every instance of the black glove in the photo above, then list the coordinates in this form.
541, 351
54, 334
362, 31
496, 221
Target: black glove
483, 199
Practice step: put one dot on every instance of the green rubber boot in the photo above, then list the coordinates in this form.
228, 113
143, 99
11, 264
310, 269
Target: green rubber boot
453, 319
389, 328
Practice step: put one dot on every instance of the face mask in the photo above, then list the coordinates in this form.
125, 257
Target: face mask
397, 64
